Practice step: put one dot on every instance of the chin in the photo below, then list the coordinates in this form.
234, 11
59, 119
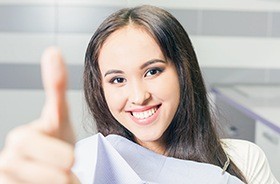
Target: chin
148, 137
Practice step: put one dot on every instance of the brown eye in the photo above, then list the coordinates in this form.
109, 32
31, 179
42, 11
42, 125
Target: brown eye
117, 80
153, 71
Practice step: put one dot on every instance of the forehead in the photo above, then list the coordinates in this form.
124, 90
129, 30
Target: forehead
129, 35
130, 44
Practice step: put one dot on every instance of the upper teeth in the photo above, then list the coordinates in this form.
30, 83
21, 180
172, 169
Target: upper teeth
145, 114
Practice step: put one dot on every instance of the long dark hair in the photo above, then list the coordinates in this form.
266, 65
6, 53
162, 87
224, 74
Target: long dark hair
191, 134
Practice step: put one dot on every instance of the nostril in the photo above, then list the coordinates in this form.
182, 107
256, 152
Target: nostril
140, 98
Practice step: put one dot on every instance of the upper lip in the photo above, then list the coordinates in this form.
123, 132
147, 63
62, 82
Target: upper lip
141, 109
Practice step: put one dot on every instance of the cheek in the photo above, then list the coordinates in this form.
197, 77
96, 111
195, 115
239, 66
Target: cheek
167, 88
170, 91
114, 98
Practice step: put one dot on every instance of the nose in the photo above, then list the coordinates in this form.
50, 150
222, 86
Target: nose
139, 93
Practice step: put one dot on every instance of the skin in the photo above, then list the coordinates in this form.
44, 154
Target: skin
42, 151
137, 78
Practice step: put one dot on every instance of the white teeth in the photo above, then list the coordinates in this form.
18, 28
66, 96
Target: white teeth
145, 114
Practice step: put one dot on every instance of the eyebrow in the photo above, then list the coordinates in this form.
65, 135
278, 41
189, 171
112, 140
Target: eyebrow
146, 64
113, 72
152, 62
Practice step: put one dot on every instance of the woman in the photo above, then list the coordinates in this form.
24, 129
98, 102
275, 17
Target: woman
190, 133
142, 81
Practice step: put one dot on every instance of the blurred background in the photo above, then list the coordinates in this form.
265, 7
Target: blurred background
237, 43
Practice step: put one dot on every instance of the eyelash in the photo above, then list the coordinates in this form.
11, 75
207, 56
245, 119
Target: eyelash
157, 71
113, 80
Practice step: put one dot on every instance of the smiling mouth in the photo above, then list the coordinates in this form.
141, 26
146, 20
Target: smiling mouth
145, 114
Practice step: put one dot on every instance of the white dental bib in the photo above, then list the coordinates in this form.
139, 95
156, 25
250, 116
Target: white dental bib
117, 160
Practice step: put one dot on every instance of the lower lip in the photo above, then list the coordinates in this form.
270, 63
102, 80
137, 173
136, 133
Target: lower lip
147, 121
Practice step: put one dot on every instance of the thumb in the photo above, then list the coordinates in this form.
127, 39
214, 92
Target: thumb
55, 119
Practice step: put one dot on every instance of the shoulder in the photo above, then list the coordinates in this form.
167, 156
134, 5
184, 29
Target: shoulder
242, 148
250, 159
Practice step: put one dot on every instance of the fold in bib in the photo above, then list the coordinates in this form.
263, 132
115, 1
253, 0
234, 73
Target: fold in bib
117, 160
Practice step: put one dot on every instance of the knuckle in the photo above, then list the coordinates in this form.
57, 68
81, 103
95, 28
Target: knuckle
7, 162
4, 179
64, 178
17, 137
69, 157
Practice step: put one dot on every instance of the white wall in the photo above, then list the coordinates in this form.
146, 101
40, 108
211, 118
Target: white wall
213, 51
21, 106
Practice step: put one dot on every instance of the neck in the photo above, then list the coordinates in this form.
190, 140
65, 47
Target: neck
155, 146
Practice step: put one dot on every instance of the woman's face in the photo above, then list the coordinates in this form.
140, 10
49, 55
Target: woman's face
141, 88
